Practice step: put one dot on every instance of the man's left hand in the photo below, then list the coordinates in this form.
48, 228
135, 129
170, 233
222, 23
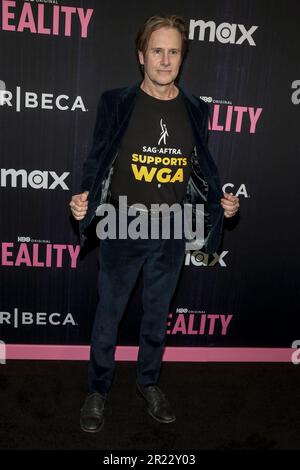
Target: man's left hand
230, 204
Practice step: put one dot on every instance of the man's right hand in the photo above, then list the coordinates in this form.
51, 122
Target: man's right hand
79, 205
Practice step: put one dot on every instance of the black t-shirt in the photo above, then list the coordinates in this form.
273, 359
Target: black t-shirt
154, 161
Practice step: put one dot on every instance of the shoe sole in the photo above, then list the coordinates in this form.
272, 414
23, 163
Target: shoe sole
140, 396
92, 430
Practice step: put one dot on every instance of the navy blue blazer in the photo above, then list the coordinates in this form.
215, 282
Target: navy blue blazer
204, 187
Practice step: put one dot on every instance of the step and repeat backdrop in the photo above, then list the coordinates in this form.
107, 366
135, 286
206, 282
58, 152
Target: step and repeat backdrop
56, 58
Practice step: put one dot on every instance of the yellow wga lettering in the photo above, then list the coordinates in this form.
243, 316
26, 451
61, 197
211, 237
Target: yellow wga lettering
162, 175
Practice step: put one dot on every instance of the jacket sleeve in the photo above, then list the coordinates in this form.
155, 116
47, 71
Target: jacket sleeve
100, 140
213, 169
204, 128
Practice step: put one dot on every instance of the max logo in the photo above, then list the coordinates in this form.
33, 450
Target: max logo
295, 358
2, 353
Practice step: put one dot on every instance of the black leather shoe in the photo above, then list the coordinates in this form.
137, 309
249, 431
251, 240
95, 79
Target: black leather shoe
92, 412
157, 404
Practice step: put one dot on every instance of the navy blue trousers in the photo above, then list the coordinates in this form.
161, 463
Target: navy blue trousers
121, 261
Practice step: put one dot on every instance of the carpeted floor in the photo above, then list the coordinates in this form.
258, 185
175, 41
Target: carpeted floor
218, 406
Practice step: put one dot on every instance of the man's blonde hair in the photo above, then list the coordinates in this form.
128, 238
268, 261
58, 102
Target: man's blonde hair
161, 21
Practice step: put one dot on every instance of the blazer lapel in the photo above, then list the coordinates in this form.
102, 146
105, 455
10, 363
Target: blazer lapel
193, 111
123, 105
126, 103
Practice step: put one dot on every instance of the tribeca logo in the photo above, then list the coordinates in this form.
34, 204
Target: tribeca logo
224, 33
2, 89
198, 258
20, 100
36, 179
295, 358
39, 319
296, 94
2, 352
32, 18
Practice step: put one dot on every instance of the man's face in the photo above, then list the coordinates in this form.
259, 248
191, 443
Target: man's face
163, 57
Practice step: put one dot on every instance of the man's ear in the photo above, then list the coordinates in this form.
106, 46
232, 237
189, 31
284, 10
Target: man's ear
141, 57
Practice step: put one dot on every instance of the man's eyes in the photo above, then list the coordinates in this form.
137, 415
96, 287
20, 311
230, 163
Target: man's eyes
172, 52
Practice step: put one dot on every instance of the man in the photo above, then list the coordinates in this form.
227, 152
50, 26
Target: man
150, 146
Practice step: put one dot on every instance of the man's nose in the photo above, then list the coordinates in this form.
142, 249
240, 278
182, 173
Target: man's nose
165, 60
